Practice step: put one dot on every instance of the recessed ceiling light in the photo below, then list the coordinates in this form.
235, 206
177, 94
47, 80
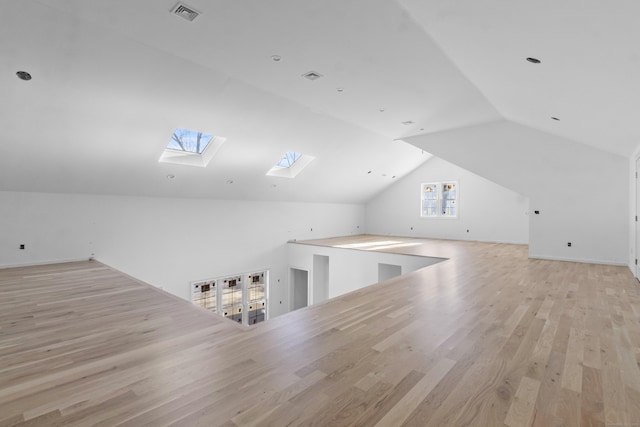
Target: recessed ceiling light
275, 58
393, 177
23, 75
369, 172
312, 75
340, 89
421, 128
534, 60
170, 176
381, 110
555, 118
407, 123
229, 181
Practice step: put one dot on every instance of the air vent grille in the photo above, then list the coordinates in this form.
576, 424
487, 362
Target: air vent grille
185, 12
312, 75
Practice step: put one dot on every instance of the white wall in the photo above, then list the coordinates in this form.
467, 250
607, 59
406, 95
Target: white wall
53, 228
351, 269
167, 242
633, 202
582, 192
488, 212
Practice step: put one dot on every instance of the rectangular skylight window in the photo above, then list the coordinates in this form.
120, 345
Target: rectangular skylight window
192, 148
290, 165
288, 159
190, 141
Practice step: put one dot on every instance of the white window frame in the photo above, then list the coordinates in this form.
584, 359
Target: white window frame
439, 187
293, 169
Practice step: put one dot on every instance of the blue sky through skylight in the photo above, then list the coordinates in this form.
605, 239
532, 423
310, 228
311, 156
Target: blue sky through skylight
190, 141
288, 159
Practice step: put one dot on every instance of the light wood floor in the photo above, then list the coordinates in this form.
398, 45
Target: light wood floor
486, 338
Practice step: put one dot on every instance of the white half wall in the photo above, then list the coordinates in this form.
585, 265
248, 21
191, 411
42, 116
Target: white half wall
350, 269
581, 193
488, 212
168, 242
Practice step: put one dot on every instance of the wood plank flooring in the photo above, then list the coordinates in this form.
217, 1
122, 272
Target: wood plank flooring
486, 338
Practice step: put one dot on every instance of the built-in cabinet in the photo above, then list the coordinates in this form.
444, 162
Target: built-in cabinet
241, 298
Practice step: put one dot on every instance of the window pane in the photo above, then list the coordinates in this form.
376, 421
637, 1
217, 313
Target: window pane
448, 208
429, 207
449, 190
449, 199
288, 159
430, 191
439, 199
190, 141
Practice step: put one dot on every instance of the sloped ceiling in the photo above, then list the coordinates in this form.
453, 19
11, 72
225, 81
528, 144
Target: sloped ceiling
589, 76
113, 79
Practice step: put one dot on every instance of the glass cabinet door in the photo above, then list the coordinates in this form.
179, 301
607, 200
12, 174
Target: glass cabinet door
203, 294
256, 301
241, 298
231, 302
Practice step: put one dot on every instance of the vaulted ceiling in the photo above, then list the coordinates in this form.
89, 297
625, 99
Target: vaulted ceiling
113, 79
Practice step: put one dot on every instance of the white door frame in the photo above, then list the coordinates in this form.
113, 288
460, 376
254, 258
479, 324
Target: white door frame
637, 236
291, 287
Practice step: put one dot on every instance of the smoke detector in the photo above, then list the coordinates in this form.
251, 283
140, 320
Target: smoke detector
186, 12
312, 75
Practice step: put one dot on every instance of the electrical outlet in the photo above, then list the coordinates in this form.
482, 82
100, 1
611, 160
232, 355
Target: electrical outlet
22, 246
569, 244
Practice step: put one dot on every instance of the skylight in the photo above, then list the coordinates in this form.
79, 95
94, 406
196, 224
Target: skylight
191, 148
190, 141
288, 159
290, 165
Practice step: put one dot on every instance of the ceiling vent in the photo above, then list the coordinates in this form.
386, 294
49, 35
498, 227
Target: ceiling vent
312, 75
185, 12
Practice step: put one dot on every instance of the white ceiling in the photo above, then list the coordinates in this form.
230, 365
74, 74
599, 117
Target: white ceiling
113, 79
589, 77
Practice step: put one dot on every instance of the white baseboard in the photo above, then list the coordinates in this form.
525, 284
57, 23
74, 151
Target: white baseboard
581, 260
32, 263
